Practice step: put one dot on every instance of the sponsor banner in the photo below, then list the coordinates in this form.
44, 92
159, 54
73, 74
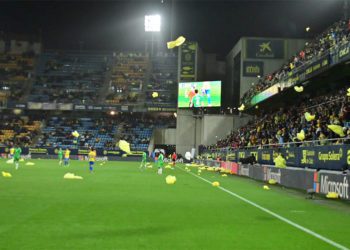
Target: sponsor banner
162, 109
38, 151
253, 68
344, 51
326, 182
34, 105
79, 107
265, 48
212, 163
300, 75
317, 67
232, 166
65, 106
266, 156
124, 108
49, 106
53, 151
188, 52
231, 156
11, 104
332, 157
273, 90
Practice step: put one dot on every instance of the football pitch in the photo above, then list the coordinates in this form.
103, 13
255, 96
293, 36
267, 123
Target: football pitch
121, 207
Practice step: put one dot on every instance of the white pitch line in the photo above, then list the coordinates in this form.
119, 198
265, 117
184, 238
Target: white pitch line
306, 230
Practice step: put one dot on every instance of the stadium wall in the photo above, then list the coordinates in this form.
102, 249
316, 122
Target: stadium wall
253, 62
165, 136
185, 131
215, 127
321, 182
192, 131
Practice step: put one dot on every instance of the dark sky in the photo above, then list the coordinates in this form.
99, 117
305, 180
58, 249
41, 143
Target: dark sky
216, 25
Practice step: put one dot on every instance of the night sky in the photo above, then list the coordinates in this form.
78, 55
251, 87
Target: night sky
118, 25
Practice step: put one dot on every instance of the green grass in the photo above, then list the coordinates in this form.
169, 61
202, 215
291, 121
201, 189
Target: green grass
120, 207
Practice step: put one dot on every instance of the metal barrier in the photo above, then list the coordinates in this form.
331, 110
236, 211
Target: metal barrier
330, 157
321, 182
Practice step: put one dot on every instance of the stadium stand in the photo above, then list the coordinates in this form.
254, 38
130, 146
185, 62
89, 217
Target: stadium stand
69, 77
16, 70
138, 128
18, 131
98, 133
163, 79
336, 35
280, 128
128, 76
102, 132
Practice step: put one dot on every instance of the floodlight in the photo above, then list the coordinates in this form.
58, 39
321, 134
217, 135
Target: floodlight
152, 23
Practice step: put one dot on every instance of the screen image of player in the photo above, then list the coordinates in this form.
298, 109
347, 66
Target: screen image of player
199, 94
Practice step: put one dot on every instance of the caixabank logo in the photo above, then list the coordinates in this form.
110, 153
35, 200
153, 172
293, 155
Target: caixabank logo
265, 48
328, 182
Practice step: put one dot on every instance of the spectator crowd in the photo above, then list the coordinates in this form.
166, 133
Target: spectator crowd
335, 35
280, 128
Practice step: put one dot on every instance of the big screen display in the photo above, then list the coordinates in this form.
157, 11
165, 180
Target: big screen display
199, 94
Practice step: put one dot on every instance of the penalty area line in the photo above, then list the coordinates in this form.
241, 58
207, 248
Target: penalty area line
306, 230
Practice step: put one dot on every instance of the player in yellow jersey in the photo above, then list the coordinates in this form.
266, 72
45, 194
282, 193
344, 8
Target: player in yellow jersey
92, 159
12, 151
66, 157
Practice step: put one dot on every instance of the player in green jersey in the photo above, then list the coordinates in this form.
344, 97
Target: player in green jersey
60, 156
160, 163
144, 160
197, 100
17, 156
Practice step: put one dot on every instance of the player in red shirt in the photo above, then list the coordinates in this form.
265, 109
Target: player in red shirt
173, 158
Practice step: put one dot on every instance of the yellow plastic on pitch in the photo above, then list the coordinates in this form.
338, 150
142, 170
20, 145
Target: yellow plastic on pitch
170, 179
216, 184
6, 174
272, 181
332, 195
72, 176
10, 161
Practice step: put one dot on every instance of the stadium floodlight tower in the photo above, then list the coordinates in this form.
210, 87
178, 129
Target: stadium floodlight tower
152, 26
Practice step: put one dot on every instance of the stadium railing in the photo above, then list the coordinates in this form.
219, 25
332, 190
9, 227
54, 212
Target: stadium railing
318, 154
